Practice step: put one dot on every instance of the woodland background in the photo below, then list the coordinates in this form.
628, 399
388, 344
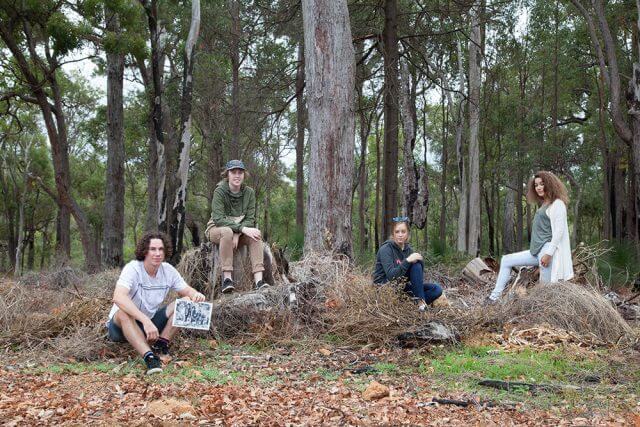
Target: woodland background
116, 116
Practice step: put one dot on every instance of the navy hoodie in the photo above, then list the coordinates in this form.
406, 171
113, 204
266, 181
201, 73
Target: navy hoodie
391, 262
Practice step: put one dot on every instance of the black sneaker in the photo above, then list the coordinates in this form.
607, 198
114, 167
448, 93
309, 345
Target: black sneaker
261, 284
227, 286
154, 364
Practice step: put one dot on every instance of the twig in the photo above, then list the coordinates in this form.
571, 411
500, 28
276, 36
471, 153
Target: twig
463, 403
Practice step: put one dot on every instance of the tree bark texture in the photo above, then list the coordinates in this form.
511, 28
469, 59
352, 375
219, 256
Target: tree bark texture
176, 228
330, 77
300, 124
17, 272
391, 92
444, 160
463, 211
234, 53
155, 87
113, 220
410, 178
475, 65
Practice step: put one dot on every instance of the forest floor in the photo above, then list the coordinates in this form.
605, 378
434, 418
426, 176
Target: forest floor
323, 382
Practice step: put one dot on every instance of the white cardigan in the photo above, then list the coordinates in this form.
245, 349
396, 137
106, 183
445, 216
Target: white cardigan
562, 265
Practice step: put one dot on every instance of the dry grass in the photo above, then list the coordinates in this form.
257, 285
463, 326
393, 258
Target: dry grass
572, 307
331, 297
45, 311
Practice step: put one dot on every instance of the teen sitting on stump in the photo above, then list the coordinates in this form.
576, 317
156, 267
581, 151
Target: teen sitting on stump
233, 224
137, 315
550, 247
397, 261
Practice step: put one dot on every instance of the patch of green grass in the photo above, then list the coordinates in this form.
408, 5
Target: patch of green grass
386, 368
332, 339
461, 368
328, 375
85, 367
527, 365
203, 373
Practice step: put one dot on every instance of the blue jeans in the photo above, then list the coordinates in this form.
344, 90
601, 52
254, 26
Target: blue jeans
428, 292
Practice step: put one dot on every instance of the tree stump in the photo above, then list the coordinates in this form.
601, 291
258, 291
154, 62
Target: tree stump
200, 268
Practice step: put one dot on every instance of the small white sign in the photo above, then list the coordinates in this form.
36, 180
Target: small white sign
192, 315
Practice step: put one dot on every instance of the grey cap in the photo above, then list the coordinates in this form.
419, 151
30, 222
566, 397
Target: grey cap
234, 164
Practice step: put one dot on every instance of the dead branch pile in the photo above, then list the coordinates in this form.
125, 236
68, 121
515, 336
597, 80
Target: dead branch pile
585, 263
569, 306
66, 317
195, 265
57, 278
362, 313
285, 310
542, 337
323, 268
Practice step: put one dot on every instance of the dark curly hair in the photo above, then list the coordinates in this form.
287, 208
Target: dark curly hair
553, 189
142, 247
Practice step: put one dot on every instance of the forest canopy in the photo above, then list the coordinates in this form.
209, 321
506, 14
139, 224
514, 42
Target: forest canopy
117, 116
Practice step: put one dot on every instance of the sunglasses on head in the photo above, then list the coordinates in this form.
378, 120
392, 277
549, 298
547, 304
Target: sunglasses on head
400, 219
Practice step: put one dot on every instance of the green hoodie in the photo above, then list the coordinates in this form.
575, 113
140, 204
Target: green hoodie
225, 205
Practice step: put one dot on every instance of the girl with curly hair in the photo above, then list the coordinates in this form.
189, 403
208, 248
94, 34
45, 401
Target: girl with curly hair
550, 248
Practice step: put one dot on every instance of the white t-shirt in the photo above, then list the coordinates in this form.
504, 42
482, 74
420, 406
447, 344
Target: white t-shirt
147, 292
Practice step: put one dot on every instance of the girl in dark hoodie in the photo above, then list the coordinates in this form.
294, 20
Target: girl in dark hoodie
396, 260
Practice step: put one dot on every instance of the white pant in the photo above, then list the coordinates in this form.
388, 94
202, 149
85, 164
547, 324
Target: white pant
520, 259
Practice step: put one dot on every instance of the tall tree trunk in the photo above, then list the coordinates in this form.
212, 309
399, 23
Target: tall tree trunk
300, 125
234, 52
184, 143
463, 211
475, 58
390, 158
9, 212
377, 216
619, 197
410, 178
365, 128
17, 272
508, 225
444, 158
113, 225
330, 77
155, 88
606, 162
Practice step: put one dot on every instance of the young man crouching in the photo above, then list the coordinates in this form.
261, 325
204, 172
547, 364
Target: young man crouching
137, 315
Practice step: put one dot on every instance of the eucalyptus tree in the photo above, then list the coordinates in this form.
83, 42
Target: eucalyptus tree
330, 76
40, 38
613, 65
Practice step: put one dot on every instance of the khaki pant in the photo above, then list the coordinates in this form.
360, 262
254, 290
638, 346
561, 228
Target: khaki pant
223, 237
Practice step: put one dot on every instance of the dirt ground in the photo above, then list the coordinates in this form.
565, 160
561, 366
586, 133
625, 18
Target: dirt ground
217, 384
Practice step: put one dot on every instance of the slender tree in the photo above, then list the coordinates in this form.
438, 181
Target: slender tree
113, 223
391, 93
